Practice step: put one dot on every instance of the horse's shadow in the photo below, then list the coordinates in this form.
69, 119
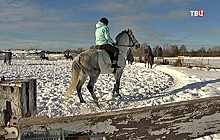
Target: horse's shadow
197, 85
148, 95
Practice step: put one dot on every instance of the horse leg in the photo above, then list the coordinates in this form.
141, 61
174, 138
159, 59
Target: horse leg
93, 78
79, 87
152, 61
117, 84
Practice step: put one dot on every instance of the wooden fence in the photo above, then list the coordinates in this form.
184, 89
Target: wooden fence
181, 120
203, 62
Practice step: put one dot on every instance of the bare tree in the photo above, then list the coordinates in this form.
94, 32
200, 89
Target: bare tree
174, 50
201, 52
182, 50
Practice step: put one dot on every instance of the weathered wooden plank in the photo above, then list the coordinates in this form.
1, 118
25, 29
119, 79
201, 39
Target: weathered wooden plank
21, 94
181, 120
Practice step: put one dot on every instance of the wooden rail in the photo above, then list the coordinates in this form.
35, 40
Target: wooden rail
180, 120
203, 62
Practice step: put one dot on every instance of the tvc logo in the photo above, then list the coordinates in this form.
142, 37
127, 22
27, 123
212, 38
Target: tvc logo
199, 13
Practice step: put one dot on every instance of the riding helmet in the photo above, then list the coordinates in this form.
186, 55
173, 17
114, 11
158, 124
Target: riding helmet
104, 20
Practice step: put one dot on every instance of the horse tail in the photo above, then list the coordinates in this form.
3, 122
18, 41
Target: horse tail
76, 68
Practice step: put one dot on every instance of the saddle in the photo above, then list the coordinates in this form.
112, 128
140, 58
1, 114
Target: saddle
106, 55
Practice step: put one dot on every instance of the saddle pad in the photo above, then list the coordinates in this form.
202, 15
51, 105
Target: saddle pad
105, 56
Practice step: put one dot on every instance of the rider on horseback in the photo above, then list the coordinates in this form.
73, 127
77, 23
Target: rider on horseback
148, 51
103, 39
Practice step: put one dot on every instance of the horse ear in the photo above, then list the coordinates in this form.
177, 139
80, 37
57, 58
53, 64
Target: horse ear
129, 30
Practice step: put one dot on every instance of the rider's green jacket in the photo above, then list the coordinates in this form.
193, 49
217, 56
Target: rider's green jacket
102, 34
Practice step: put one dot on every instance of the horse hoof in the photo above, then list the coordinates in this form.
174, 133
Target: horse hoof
66, 97
82, 101
97, 104
117, 95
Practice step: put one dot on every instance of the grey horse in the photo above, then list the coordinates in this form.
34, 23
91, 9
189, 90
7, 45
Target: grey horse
94, 62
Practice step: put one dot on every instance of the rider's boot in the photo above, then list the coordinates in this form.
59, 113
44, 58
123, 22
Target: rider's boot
115, 65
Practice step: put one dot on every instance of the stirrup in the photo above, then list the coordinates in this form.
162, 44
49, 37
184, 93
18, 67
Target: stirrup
114, 72
115, 66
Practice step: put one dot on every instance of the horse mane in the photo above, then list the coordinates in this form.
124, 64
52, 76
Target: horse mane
120, 34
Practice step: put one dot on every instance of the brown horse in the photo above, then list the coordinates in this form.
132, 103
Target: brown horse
149, 59
130, 56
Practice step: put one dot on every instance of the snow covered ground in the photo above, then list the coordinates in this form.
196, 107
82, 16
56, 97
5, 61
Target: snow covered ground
139, 86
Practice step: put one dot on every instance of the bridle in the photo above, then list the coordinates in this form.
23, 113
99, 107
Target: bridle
131, 40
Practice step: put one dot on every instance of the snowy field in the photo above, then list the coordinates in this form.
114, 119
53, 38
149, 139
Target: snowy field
139, 86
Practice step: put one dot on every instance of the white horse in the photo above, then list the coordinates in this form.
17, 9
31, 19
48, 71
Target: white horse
93, 62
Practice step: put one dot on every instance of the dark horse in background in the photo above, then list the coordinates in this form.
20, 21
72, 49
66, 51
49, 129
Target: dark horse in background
67, 56
7, 57
43, 57
149, 59
130, 56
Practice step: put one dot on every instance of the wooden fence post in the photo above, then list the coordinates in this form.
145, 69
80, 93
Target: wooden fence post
21, 94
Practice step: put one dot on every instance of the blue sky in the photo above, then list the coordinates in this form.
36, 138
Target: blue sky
70, 24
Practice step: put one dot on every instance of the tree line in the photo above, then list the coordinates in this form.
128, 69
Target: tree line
175, 50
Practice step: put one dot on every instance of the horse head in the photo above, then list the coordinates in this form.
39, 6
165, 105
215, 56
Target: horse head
126, 38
